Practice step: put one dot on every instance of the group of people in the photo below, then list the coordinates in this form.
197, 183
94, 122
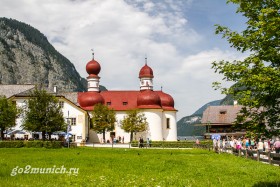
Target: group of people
248, 143
141, 142
113, 140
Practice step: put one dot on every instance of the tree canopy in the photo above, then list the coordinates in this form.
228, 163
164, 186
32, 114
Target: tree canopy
43, 113
257, 77
8, 114
134, 122
103, 119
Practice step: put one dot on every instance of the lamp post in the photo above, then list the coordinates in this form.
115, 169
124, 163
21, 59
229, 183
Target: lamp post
68, 129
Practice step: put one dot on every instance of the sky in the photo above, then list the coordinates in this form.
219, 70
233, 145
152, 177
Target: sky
177, 37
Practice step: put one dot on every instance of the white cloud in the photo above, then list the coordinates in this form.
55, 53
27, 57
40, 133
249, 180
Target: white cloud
121, 33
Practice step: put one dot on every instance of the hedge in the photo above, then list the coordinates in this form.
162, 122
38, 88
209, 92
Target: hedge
170, 144
34, 144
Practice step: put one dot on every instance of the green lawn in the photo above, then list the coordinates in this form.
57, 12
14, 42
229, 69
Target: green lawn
134, 167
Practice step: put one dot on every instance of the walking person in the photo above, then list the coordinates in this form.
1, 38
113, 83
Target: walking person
277, 145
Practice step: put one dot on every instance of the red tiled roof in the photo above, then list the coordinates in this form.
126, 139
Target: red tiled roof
127, 100
121, 100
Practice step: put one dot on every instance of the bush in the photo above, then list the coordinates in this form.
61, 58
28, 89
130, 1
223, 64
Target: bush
170, 144
29, 144
11, 144
36, 144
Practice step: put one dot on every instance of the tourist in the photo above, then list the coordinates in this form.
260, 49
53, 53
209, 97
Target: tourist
253, 144
197, 141
148, 142
260, 146
238, 144
247, 143
277, 145
266, 146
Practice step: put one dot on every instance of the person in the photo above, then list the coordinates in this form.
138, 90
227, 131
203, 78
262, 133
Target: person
123, 139
141, 142
148, 142
266, 146
260, 145
277, 145
197, 141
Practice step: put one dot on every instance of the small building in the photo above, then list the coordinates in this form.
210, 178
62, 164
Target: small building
220, 119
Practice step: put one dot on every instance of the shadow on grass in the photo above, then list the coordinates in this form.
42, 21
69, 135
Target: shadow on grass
267, 184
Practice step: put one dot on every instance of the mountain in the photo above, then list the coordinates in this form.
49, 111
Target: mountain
26, 57
186, 125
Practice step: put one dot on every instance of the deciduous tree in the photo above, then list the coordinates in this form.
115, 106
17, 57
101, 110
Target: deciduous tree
43, 113
257, 77
103, 119
134, 122
8, 114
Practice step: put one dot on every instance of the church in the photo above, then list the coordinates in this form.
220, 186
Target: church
157, 106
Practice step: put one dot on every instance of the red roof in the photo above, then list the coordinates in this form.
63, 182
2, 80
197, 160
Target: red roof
127, 100
146, 71
93, 67
148, 99
88, 99
121, 100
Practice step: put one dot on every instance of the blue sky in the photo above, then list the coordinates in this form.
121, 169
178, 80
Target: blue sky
176, 35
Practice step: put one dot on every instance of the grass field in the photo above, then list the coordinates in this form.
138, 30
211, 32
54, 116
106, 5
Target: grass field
133, 167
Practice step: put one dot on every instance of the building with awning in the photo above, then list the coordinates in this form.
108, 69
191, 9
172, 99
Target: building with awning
220, 120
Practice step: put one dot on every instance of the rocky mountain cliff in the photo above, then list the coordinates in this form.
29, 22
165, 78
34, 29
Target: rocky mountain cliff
26, 57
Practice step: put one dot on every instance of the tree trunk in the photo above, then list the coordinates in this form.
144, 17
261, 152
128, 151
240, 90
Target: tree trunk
50, 136
104, 135
43, 135
2, 134
131, 136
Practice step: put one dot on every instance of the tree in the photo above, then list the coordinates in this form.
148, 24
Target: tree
257, 77
103, 119
134, 122
43, 113
8, 114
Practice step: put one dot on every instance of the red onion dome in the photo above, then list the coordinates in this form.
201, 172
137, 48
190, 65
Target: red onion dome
88, 99
146, 71
93, 67
167, 102
148, 99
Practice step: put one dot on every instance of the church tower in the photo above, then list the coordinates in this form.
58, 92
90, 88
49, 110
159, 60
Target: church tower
146, 77
93, 68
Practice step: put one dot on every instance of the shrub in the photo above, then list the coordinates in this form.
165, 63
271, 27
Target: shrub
34, 144
171, 144
11, 144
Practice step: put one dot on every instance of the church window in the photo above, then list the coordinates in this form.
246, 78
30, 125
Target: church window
109, 103
61, 104
72, 121
125, 103
223, 112
168, 123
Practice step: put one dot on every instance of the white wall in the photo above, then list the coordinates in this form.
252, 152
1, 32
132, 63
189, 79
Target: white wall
171, 133
80, 129
154, 118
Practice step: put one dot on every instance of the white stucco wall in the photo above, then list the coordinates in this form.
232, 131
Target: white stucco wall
79, 130
169, 134
154, 119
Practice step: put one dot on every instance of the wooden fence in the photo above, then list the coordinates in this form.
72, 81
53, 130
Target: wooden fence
260, 156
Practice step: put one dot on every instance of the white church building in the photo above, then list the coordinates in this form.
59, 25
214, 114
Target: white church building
157, 106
